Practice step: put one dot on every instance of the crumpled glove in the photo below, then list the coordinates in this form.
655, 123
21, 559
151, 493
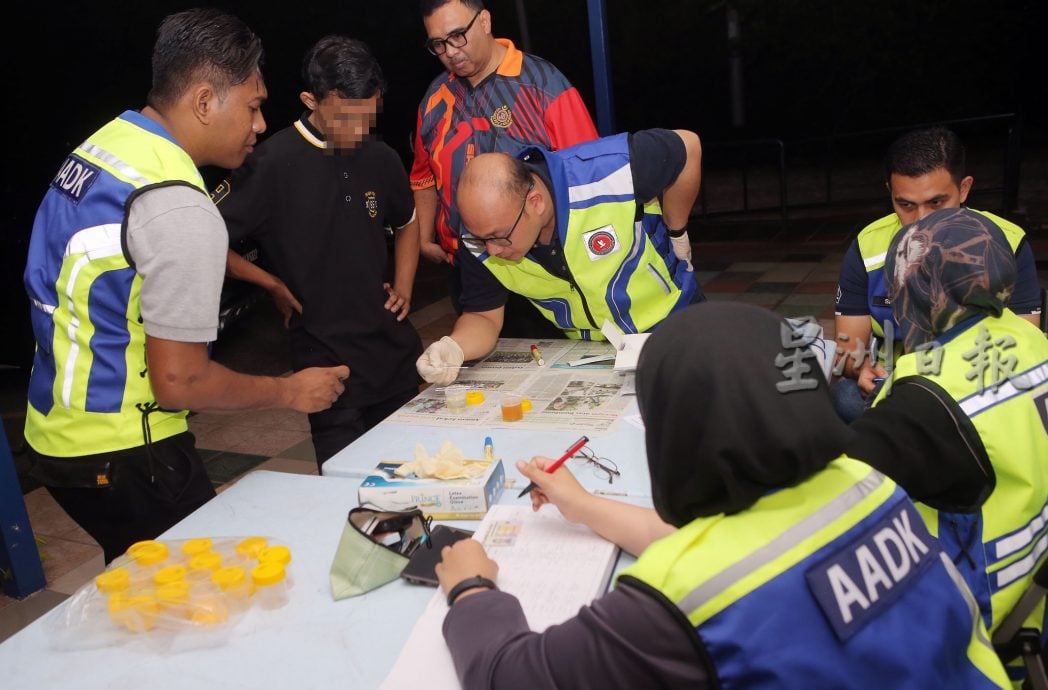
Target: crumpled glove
682, 248
440, 362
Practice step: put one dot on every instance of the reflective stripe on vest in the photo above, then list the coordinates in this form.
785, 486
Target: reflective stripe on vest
998, 548
831, 583
624, 270
89, 369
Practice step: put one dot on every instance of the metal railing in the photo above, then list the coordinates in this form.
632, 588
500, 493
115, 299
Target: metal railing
770, 176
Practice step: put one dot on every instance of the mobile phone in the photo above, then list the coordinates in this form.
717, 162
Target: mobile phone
421, 568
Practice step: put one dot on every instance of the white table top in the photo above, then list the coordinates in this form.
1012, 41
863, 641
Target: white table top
313, 641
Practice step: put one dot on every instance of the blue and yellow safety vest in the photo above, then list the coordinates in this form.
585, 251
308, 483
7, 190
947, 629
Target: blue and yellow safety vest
998, 548
833, 583
89, 385
622, 269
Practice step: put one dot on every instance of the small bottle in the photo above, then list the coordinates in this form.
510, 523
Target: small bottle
208, 609
194, 547
169, 574
277, 554
201, 567
173, 599
113, 581
137, 613
270, 585
147, 556
247, 549
233, 583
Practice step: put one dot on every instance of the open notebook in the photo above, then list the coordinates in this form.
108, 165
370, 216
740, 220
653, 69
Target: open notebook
552, 566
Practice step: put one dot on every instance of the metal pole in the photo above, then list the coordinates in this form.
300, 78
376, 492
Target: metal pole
21, 573
598, 30
738, 112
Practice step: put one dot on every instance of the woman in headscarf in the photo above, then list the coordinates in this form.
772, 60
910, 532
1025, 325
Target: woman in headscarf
769, 560
961, 424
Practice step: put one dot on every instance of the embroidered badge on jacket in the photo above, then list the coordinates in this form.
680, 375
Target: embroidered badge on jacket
371, 204
502, 117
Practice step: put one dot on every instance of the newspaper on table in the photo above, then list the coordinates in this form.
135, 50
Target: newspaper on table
563, 397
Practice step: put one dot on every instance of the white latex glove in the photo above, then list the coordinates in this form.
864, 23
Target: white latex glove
682, 248
440, 362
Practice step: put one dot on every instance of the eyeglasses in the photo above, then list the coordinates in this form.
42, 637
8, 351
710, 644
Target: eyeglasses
480, 243
455, 39
601, 466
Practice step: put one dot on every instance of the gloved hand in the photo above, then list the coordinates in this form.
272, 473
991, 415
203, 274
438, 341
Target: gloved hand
440, 362
682, 248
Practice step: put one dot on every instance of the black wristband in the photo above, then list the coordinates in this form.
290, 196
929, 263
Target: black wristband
469, 583
676, 233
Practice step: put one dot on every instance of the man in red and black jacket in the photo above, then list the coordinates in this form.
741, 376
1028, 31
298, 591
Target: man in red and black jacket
493, 97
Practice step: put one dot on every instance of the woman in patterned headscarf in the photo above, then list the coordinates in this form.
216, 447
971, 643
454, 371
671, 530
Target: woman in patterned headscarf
961, 423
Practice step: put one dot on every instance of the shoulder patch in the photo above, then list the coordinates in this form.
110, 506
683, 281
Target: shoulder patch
220, 192
75, 178
860, 581
601, 242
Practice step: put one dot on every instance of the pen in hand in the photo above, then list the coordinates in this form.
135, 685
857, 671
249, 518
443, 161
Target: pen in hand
557, 463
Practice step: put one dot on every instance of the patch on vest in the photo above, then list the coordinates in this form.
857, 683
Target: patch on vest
601, 242
861, 580
502, 117
221, 191
75, 178
371, 204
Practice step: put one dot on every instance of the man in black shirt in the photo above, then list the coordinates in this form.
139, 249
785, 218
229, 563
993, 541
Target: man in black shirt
316, 196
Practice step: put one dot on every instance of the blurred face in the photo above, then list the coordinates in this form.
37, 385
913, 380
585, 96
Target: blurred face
472, 60
344, 122
236, 123
915, 197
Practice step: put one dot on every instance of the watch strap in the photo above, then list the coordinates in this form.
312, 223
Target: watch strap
469, 583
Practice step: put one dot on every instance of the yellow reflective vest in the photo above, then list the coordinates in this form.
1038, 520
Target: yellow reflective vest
89, 390
832, 583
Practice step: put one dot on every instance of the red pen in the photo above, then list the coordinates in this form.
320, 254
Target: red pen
557, 463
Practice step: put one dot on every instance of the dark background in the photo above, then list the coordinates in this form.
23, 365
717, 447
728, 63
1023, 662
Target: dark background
811, 69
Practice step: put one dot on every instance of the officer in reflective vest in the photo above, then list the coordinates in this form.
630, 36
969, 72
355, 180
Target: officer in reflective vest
950, 275
591, 234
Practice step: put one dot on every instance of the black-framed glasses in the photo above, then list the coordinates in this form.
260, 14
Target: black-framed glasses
456, 39
480, 243
601, 466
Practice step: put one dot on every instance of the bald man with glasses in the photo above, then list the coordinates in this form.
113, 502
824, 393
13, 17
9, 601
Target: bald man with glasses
596, 232
492, 97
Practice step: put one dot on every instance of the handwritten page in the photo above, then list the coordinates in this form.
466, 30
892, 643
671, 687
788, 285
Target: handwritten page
552, 566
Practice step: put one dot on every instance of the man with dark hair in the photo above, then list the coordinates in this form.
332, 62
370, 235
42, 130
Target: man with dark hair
493, 97
584, 234
124, 275
317, 197
924, 172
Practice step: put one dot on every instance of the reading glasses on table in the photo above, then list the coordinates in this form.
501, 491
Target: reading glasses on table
602, 467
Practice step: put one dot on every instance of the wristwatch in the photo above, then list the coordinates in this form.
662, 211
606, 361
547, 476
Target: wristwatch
469, 583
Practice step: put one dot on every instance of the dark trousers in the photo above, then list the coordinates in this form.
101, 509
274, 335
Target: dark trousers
338, 426
142, 498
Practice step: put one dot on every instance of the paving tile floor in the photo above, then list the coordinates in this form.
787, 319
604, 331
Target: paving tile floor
791, 270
